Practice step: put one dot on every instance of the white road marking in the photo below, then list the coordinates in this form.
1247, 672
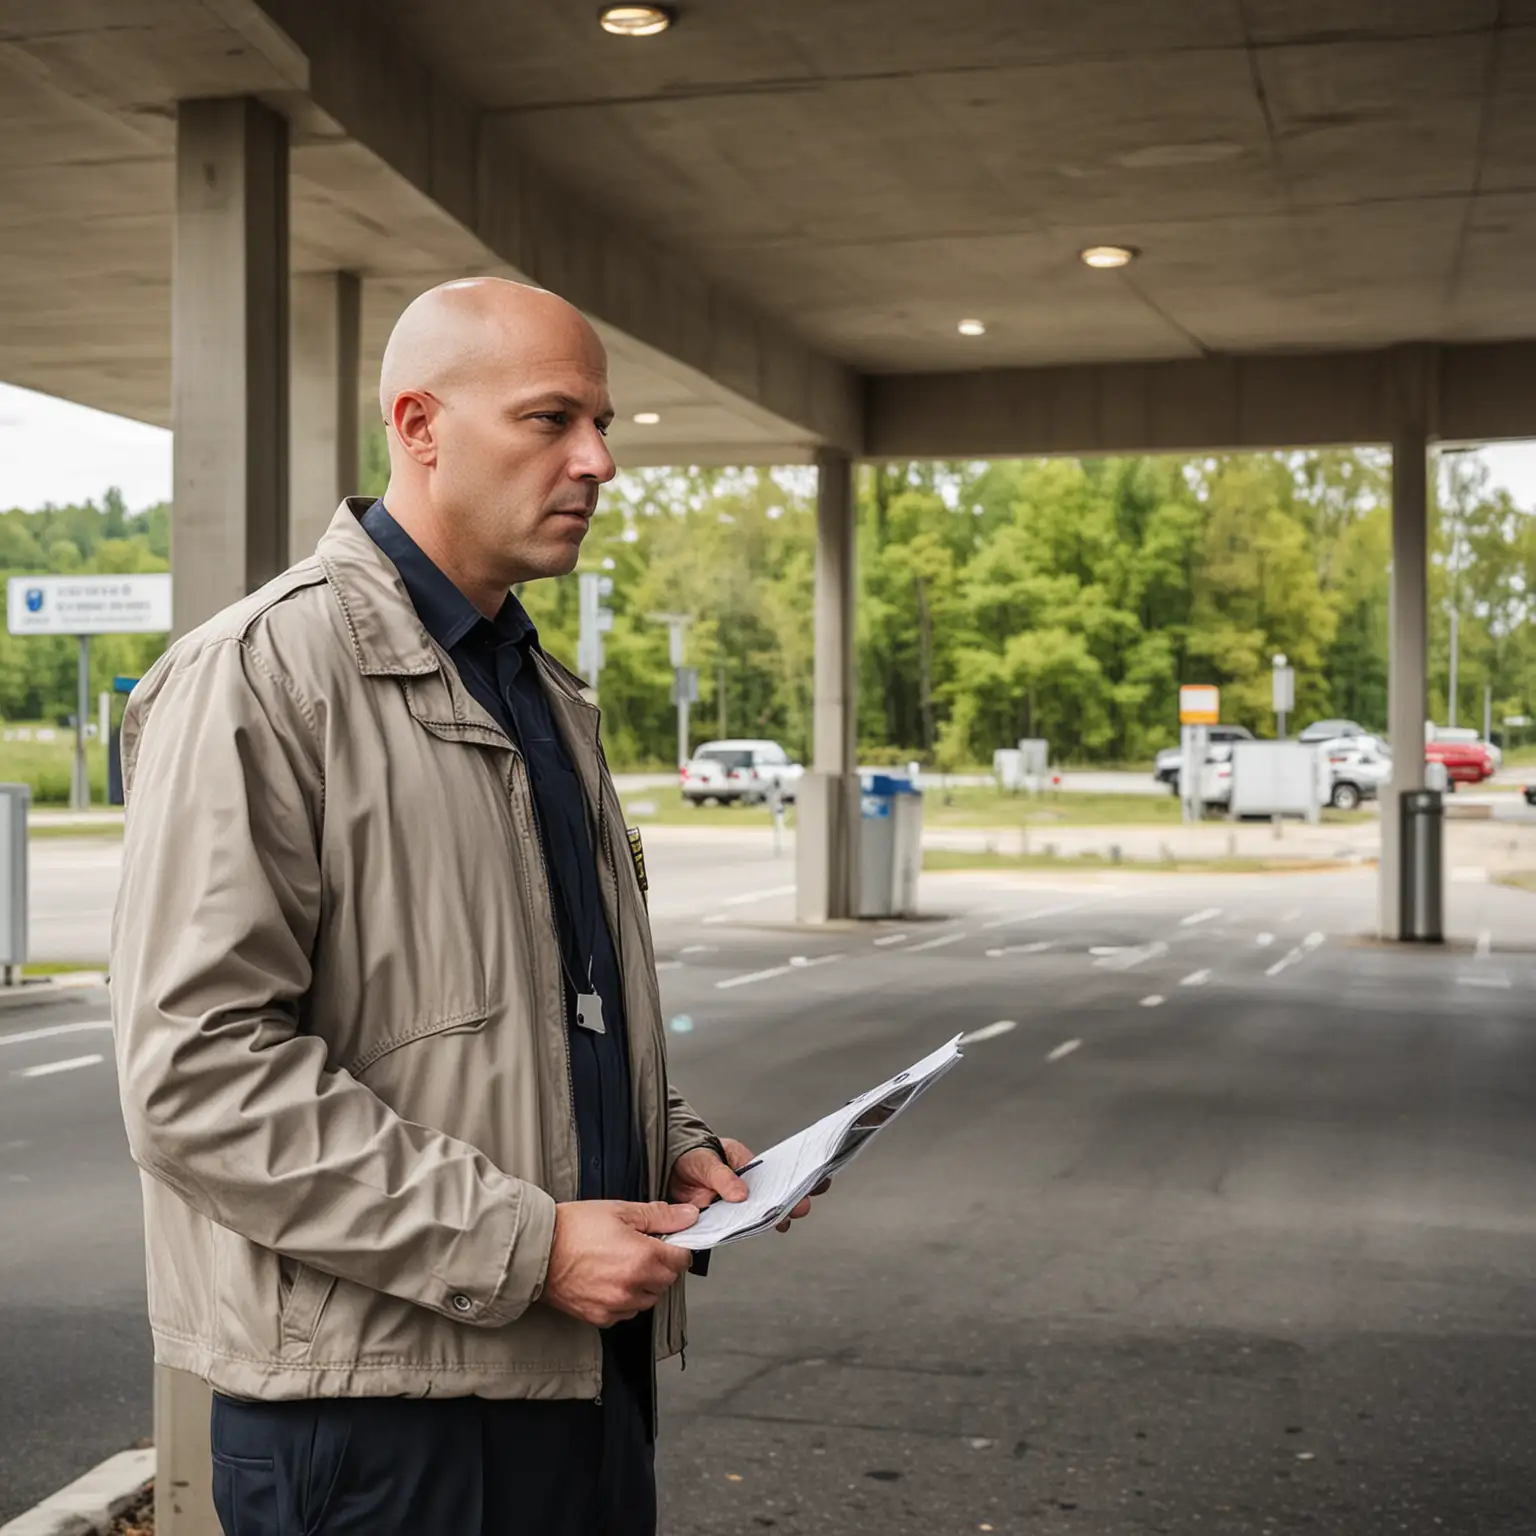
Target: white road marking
1291, 916
1313, 941
749, 897
1129, 959
1264, 941
72, 1064
53, 1030
805, 962
1196, 979
889, 939
1039, 947
1064, 1049
1200, 917
1109, 949
716, 917
948, 938
989, 1031
697, 949
1156, 1000
1285, 961
1493, 979
752, 976
1484, 944
1029, 917
669, 965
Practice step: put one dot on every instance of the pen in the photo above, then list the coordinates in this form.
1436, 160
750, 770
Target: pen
750, 1166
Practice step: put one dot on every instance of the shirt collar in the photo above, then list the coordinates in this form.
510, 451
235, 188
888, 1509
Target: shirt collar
448, 616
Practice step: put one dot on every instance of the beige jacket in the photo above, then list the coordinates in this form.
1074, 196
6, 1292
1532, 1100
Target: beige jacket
337, 1005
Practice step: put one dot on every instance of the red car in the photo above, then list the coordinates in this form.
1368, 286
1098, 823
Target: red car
1466, 762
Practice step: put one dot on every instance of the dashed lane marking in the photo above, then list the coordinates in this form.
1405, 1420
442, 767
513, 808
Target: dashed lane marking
25, 1036
989, 1031
1064, 1049
72, 1064
948, 938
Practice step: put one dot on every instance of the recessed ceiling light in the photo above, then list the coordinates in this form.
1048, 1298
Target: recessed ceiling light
1106, 256
646, 418
635, 20
972, 327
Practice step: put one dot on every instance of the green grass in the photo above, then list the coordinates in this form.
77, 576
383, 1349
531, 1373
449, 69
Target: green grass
1518, 879
1521, 757
46, 766
112, 830
942, 860
63, 967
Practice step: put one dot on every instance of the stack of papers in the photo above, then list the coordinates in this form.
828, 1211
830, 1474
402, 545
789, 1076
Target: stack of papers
784, 1175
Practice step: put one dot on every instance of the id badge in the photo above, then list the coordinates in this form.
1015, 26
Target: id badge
589, 1013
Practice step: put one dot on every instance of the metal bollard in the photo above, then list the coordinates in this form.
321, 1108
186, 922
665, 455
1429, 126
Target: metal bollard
15, 802
1421, 878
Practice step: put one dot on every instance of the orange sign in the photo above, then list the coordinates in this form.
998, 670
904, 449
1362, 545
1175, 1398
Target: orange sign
1199, 704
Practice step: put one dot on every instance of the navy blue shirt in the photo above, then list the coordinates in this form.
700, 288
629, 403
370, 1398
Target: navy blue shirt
495, 661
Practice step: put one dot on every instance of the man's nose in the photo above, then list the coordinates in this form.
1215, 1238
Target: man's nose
593, 461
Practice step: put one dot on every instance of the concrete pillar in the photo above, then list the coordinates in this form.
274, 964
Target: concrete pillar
229, 354
1408, 659
827, 801
229, 534
323, 448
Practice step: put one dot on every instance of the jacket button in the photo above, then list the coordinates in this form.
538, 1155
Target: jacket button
462, 1303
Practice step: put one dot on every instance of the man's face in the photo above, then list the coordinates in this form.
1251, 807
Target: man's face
522, 454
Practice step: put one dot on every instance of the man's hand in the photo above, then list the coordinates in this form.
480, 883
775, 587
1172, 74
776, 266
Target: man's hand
603, 1268
699, 1178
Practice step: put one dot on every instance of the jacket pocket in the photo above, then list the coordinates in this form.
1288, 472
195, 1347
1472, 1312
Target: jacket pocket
467, 1021
302, 1306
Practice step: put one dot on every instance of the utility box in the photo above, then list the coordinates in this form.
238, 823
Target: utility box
890, 845
1279, 778
15, 803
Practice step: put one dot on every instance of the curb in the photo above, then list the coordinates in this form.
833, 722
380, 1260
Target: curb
91, 1503
51, 989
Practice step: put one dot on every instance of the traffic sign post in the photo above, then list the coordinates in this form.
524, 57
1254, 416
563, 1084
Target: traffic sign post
596, 621
1199, 708
1284, 690
685, 680
83, 606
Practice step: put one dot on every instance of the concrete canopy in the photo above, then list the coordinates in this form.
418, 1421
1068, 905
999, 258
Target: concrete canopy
768, 204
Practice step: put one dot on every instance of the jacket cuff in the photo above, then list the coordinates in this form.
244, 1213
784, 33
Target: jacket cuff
524, 1268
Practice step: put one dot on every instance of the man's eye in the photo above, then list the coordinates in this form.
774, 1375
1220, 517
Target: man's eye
556, 417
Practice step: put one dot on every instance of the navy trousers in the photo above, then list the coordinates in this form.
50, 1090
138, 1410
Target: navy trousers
450, 1466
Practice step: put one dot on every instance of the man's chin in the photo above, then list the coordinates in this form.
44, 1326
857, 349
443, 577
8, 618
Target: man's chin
560, 556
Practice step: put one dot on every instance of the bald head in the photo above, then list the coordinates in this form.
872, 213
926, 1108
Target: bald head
495, 397
460, 332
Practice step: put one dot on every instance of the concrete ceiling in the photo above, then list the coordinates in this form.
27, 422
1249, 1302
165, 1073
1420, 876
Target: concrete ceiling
850, 178
1298, 173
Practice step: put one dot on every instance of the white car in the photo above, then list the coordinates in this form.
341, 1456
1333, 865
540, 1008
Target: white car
731, 772
1358, 766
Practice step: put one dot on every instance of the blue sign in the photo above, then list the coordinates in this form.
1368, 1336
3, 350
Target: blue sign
34, 599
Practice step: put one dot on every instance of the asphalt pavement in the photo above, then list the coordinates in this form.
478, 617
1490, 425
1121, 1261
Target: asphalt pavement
1223, 1225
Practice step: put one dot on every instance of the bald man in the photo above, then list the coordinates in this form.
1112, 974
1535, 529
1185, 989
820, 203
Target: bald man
389, 1040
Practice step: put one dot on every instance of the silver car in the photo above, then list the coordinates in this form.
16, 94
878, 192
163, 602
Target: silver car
1358, 767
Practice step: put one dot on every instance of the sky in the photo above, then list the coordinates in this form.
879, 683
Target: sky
54, 451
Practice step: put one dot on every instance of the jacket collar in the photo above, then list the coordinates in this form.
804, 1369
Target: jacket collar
388, 637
